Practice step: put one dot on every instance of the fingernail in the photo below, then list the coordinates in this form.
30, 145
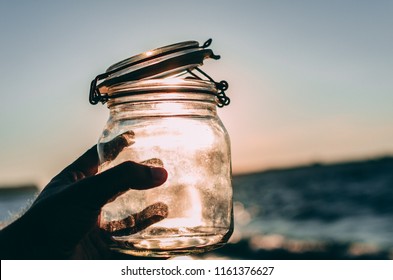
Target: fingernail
158, 174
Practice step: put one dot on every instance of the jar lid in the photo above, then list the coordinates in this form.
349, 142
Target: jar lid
167, 61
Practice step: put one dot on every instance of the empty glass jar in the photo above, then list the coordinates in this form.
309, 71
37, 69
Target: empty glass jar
170, 122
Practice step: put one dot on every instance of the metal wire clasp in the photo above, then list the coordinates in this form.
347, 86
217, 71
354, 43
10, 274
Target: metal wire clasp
222, 86
176, 56
95, 96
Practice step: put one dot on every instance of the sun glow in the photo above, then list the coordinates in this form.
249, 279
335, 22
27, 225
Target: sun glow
192, 217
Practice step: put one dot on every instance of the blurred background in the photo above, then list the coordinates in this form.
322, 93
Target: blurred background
311, 117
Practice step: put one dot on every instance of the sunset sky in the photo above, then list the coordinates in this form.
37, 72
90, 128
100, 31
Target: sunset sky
310, 81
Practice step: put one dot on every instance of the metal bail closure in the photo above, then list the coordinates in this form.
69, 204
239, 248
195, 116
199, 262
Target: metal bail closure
176, 59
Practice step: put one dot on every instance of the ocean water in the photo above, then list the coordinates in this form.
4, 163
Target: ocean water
14, 201
338, 211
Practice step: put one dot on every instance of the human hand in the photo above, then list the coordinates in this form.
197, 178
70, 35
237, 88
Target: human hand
62, 221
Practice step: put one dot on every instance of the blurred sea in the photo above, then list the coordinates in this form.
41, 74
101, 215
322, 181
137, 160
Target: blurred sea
337, 211
15, 199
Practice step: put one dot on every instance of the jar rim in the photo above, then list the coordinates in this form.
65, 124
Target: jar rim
162, 86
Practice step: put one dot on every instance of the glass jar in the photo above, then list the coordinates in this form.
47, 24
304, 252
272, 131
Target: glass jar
172, 123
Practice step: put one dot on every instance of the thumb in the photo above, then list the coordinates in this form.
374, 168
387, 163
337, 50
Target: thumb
86, 165
96, 191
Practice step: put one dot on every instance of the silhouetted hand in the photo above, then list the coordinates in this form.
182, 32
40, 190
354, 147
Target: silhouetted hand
62, 221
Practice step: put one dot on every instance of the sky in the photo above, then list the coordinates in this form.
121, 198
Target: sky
309, 81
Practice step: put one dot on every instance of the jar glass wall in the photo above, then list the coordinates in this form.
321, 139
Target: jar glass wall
173, 125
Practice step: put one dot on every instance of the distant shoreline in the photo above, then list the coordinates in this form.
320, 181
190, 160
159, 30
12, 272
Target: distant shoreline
4, 190
385, 158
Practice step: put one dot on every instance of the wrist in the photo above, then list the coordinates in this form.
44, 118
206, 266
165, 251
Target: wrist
11, 241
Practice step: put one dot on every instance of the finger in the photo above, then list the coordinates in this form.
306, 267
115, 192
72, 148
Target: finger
97, 190
153, 162
85, 166
111, 149
138, 221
